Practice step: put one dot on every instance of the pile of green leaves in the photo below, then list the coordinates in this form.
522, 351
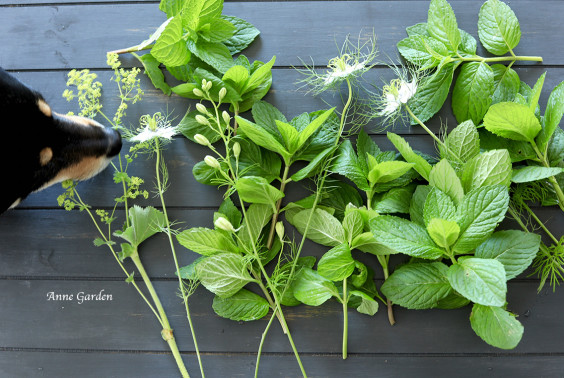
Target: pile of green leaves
440, 47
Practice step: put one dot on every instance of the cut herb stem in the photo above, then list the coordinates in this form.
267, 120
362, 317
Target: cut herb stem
384, 262
278, 205
345, 319
501, 59
264, 333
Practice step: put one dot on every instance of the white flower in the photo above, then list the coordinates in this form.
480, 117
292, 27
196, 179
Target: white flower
396, 94
153, 127
341, 69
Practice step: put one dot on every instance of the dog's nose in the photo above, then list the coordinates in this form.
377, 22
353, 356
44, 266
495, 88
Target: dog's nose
114, 138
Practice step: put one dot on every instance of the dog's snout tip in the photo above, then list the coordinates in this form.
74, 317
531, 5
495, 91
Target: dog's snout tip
115, 142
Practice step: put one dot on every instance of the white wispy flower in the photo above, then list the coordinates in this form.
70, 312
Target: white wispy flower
341, 69
157, 126
396, 94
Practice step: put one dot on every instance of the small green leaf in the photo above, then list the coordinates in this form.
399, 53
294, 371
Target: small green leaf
145, 222
479, 214
290, 136
312, 289
152, 70
244, 34
552, 116
242, 306
419, 163
231, 212
444, 177
443, 232
257, 217
432, 94
224, 274
472, 92
512, 121
366, 242
189, 127
417, 204
422, 50
346, 163
514, 249
404, 236
418, 286
237, 76
219, 30
288, 298
490, 168
337, 263
262, 137
506, 84
170, 49
188, 272
438, 205
452, 301
311, 169
353, 225
313, 126
254, 189
463, 142
256, 161
496, 326
205, 241
441, 24
213, 53
534, 173
498, 27
259, 76
324, 228
387, 171
396, 200
480, 280
368, 305
533, 98
171, 7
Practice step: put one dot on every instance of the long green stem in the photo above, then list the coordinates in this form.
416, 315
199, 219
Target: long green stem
539, 222
278, 205
262, 341
345, 319
384, 262
501, 59
552, 179
173, 250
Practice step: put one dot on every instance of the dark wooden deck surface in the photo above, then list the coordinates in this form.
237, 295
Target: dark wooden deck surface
46, 249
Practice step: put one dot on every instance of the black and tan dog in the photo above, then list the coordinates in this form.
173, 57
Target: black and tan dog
41, 148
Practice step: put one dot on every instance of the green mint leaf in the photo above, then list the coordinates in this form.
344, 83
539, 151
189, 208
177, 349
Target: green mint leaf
171, 7
290, 136
536, 92
441, 24
211, 9
170, 49
288, 298
506, 83
188, 272
496, 326
255, 161
323, 229
218, 30
338, 196
452, 301
207, 175
266, 116
472, 92
417, 204
310, 129
205, 241
463, 142
365, 145
405, 237
438, 205
262, 137
518, 150
479, 214
353, 224
237, 77
512, 121
422, 51
443, 232
145, 222
244, 34
255, 189
232, 94
224, 274
189, 127
213, 53
514, 249
555, 150
191, 14
444, 177
396, 200
498, 27
152, 70
432, 94
242, 306
417, 29
533, 173
366, 242
419, 163
490, 168
312, 289
552, 116
337, 263
259, 76
368, 305
231, 212
359, 279
387, 171
257, 217
480, 280
468, 43
418, 286
347, 164
312, 168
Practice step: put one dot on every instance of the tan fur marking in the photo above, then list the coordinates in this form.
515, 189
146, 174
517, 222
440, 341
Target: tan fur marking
83, 170
45, 156
45, 109
83, 121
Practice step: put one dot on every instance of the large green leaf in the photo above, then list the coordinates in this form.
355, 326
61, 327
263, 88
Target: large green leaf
213, 53
224, 274
512, 121
438, 205
423, 51
404, 236
205, 241
396, 200
417, 203
387, 171
152, 70
144, 223
514, 249
257, 217
507, 83
312, 289
534, 173
479, 214
262, 137
255, 189
432, 94
170, 49
444, 177
324, 228
498, 27
441, 24
419, 163
418, 286
480, 280
259, 76
256, 161
244, 34
496, 326
463, 142
490, 168
472, 92
552, 115
347, 163
337, 263
242, 306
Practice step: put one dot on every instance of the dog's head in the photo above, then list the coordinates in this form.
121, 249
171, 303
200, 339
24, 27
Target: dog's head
41, 147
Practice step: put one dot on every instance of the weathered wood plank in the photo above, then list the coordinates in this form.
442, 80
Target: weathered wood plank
124, 323
79, 36
58, 244
286, 94
93, 364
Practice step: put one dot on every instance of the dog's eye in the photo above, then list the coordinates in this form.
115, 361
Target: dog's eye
44, 108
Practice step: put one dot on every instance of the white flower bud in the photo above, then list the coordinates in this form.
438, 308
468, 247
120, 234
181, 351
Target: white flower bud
204, 83
208, 86
226, 117
212, 162
236, 150
198, 92
202, 120
224, 224
222, 93
201, 108
280, 230
200, 139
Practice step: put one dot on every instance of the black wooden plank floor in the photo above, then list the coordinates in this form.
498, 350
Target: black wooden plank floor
44, 249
